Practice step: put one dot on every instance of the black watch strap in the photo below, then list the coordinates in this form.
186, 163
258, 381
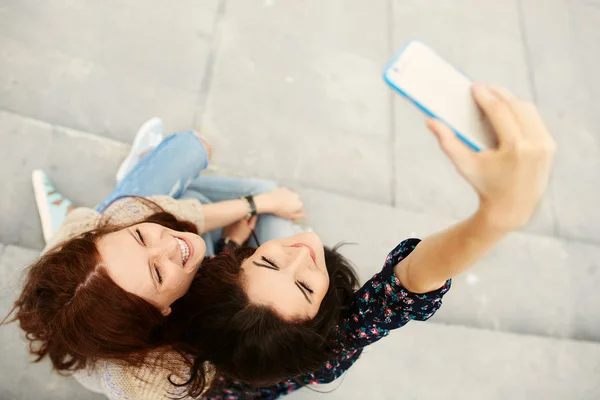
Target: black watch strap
230, 243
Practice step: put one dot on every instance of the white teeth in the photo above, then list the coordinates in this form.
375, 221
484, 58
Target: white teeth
185, 250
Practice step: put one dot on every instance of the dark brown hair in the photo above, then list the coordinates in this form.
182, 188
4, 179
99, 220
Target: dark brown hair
74, 313
249, 342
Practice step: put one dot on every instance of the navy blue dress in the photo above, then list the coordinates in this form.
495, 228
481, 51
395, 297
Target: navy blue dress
379, 306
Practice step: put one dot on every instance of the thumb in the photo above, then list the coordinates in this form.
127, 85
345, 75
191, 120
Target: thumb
458, 152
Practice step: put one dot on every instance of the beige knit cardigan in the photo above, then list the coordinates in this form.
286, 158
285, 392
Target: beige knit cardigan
114, 379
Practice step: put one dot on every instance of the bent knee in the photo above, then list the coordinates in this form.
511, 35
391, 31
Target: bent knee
204, 141
262, 185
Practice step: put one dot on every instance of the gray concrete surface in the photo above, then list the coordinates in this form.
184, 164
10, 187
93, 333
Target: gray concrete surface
20, 379
564, 266
293, 92
84, 55
528, 284
423, 365
563, 62
292, 81
422, 361
82, 165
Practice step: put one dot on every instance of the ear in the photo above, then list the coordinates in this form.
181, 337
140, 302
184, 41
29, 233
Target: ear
166, 311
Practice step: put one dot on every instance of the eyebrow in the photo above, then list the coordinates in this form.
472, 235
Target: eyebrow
274, 268
149, 265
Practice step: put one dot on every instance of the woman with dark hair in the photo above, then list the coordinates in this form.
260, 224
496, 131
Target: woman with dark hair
286, 311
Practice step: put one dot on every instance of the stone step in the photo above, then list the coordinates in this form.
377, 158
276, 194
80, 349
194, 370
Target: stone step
317, 86
529, 284
429, 361
420, 361
19, 378
81, 165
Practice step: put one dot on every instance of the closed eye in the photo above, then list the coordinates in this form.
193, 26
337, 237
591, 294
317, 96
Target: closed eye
159, 278
303, 289
305, 286
270, 264
139, 234
158, 274
269, 261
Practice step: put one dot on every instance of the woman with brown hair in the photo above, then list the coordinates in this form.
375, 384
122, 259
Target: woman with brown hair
105, 283
286, 311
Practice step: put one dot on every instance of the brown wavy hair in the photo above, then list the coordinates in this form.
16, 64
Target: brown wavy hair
73, 313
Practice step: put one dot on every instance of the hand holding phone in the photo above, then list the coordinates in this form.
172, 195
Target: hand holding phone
510, 179
512, 174
441, 91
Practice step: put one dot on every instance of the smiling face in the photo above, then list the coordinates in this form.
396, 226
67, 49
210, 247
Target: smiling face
289, 275
152, 261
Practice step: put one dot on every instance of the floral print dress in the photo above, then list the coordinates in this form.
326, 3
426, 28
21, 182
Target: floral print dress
379, 306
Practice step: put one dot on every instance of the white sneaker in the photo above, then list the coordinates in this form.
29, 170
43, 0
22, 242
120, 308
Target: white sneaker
52, 206
147, 138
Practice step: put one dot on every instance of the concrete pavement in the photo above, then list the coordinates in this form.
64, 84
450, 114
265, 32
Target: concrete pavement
292, 91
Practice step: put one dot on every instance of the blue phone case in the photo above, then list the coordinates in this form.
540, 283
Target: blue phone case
421, 106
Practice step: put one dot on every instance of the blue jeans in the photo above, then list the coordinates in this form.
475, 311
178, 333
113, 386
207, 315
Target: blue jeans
173, 168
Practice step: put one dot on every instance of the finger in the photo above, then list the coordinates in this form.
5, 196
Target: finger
533, 125
298, 215
527, 113
517, 105
458, 152
503, 93
252, 222
497, 109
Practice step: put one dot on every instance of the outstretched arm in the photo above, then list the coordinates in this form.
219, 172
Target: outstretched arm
509, 180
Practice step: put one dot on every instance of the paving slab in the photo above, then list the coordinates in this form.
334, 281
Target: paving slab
528, 284
562, 40
298, 87
82, 167
483, 39
296, 95
428, 361
420, 361
105, 67
20, 379
515, 288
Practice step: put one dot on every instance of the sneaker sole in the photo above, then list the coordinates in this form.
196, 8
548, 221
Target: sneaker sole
129, 161
41, 199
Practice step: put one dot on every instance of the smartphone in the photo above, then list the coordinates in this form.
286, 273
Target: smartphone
441, 91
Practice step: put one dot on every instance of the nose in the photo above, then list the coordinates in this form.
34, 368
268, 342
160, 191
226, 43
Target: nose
168, 248
300, 258
173, 251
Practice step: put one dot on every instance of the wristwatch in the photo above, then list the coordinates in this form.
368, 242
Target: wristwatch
228, 242
251, 206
